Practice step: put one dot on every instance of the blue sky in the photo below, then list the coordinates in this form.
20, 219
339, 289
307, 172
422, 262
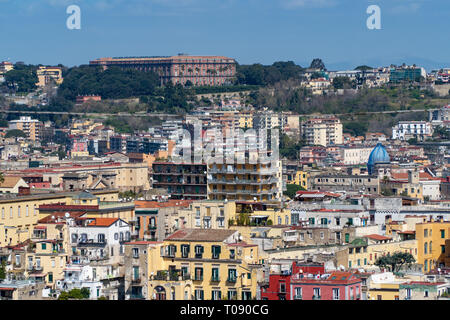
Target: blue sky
251, 31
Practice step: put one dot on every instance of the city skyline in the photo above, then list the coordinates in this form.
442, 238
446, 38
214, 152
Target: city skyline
248, 31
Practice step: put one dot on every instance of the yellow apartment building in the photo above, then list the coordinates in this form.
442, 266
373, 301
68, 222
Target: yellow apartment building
206, 214
363, 255
30, 127
47, 74
193, 264
431, 241
18, 215
245, 121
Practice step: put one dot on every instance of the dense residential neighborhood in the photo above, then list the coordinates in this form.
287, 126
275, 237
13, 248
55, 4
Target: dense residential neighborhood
229, 200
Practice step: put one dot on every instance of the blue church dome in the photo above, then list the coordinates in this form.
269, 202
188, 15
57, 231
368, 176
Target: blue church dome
378, 155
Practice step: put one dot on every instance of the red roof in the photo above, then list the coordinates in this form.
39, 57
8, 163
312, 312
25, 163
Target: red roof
143, 242
102, 222
377, 237
155, 205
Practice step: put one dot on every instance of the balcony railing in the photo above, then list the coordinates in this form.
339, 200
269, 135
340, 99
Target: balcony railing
198, 278
136, 280
186, 277
316, 297
232, 279
215, 279
298, 297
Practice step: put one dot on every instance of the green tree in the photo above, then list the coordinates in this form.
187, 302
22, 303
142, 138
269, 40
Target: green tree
395, 261
22, 78
291, 190
15, 133
3, 270
343, 83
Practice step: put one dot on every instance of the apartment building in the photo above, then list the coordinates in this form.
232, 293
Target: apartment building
405, 130
352, 155
48, 74
155, 220
206, 214
30, 127
18, 215
431, 242
182, 181
324, 131
192, 264
261, 181
336, 285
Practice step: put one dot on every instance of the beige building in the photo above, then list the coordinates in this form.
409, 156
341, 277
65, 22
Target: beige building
29, 126
19, 215
355, 155
260, 181
47, 74
12, 185
323, 131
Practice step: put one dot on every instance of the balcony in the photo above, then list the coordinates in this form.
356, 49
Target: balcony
232, 279
160, 276
215, 279
136, 280
91, 243
298, 297
186, 277
198, 278
316, 297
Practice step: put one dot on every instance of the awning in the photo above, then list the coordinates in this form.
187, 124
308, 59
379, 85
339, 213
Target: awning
37, 275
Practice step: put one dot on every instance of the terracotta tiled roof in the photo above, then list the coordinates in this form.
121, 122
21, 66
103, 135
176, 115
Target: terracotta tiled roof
167, 204
211, 235
102, 222
377, 237
9, 182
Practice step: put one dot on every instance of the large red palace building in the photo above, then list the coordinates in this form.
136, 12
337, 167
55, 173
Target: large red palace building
199, 70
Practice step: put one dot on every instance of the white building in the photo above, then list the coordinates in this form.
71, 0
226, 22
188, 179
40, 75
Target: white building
99, 239
355, 155
406, 130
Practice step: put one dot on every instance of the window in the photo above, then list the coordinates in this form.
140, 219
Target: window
26, 211
101, 238
3, 213
302, 237
215, 252
442, 234
232, 294
232, 254
408, 294
135, 273
18, 211
232, 275
10, 212
135, 253
215, 275
316, 293
442, 248
425, 293
425, 233
198, 252
282, 287
425, 248
298, 293
44, 246
185, 250
198, 274
335, 293
116, 236
216, 295
322, 235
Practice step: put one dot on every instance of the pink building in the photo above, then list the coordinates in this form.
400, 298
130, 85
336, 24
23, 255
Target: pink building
338, 285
